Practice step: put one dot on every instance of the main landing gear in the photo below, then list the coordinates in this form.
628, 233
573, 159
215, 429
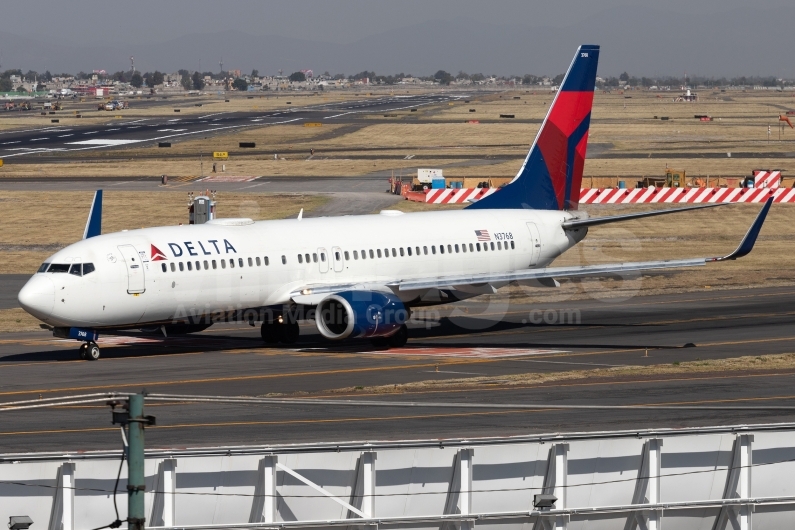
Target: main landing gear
89, 351
396, 340
280, 330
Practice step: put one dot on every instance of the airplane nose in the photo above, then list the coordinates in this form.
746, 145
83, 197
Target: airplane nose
37, 297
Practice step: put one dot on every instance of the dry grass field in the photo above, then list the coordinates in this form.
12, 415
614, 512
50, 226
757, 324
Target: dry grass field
40, 227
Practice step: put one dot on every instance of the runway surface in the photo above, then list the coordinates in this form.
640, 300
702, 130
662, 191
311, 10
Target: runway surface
21, 144
477, 339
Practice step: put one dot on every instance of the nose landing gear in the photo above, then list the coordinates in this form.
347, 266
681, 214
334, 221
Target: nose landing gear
89, 351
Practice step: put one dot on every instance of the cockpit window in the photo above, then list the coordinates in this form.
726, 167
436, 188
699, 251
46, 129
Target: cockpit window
43, 267
59, 267
76, 270
88, 268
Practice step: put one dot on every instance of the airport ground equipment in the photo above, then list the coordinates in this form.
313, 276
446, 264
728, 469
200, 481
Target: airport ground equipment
737, 476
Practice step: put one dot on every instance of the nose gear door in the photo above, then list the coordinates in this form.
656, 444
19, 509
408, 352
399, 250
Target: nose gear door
136, 282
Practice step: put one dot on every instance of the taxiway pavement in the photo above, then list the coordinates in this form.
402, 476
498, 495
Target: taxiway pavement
469, 339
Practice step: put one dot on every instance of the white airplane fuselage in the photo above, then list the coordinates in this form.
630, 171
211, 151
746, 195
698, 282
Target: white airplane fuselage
161, 275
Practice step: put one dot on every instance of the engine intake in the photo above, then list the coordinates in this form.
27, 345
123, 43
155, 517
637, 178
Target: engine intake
360, 314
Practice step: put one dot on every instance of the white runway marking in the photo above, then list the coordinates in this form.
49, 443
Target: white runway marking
473, 353
10, 143
90, 132
65, 135
105, 142
39, 139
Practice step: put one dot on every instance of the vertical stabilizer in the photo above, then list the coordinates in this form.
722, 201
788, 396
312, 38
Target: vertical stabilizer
551, 175
94, 222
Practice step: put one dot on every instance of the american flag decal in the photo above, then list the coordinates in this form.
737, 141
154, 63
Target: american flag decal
483, 235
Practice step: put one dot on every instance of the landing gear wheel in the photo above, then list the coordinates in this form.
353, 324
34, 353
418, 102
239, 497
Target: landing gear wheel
270, 332
92, 351
380, 342
289, 332
84, 351
399, 339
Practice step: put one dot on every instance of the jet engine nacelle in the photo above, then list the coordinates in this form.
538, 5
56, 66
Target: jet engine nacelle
360, 314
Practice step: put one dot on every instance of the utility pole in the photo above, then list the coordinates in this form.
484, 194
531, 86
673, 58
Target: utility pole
136, 480
135, 421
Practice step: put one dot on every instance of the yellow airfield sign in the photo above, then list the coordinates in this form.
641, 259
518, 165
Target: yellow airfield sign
220, 155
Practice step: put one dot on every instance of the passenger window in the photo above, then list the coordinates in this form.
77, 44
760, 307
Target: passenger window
206, 265
215, 265
284, 260
190, 266
259, 263
88, 268
401, 251
471, 249
464, 248
433, 249
323, 257
267, 261
337, 255
173, 267
386, 252
371, 253
355, 254
408, 249
441, 249
58, 267
378, 252
492, 245
424, 250
163, 266
181, 267
512, 245
223, 263
394, 253
307, 258
499, 245
43, 267
198, 266
75, 269
456, 249
250, 262
477, 246
300, 258
240, 261
231, 264
314, 258
347, 256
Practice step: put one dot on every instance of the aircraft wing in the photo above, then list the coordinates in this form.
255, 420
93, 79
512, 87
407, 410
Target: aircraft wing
743, 249
593, 221
313, 294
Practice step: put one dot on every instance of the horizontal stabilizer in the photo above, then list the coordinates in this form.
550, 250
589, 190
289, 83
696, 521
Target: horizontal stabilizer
579, 223
94, 222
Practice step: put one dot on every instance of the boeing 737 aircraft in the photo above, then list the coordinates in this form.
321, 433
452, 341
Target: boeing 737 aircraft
362, 275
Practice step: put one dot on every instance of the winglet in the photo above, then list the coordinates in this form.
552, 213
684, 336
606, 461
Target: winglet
301, 214
94, 223
747, 244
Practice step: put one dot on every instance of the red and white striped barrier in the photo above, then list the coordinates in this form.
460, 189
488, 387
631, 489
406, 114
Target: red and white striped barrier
683, 195
454, 195
764, 178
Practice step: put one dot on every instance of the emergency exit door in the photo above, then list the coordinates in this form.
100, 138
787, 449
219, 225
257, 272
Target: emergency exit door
135, 269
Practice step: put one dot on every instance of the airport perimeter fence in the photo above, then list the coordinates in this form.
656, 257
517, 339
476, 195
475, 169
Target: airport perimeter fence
717, 477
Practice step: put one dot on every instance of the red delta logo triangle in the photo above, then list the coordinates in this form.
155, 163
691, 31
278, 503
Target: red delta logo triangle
157, 255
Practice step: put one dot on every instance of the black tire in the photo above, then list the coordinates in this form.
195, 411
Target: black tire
399, 339
380, 342
84, 351
270, 332
289, 332
92, 352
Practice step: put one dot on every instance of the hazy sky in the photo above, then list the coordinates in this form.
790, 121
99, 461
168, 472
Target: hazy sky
342, 21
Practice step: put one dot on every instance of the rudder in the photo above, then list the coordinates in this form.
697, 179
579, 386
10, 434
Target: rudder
551, 175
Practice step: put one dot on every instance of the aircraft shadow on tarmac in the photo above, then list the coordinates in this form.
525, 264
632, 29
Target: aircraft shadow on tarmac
146, 346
